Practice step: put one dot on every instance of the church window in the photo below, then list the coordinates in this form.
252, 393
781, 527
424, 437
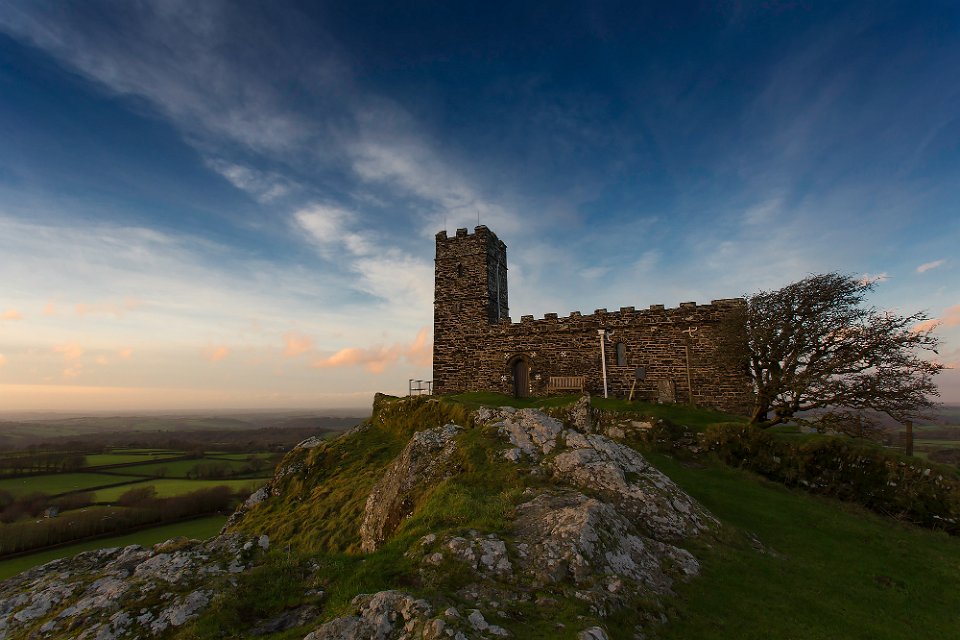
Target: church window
621, 354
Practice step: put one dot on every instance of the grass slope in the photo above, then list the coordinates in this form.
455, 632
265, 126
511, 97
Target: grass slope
839, 571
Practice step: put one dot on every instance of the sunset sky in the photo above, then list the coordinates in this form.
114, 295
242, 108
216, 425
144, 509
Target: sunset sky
233, 204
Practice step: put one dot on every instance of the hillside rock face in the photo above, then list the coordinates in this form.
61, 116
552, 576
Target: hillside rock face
122, 592
605, 533
424, 462
596, 463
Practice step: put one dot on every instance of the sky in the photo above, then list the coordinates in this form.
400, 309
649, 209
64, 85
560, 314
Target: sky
233, 204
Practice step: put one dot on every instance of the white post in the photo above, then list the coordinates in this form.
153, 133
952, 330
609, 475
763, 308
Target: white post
603, 359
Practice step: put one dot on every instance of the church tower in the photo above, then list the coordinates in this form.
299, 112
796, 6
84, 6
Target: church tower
470, 294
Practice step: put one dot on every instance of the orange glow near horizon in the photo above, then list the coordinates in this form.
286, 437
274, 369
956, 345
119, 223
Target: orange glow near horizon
78, 398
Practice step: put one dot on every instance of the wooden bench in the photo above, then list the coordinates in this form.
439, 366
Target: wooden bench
566, 383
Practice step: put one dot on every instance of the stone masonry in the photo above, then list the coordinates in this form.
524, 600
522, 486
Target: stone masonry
478, 348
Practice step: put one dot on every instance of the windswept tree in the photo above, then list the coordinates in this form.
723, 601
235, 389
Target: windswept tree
816, 345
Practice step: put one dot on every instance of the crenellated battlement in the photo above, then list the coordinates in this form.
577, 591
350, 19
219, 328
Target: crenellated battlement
480, 233
655, 313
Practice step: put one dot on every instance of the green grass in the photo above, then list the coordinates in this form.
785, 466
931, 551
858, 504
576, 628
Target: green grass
57, 483
167, 488
201, 528
322, 504
688, 415
476, 399
101, 459
840, 571
694, 417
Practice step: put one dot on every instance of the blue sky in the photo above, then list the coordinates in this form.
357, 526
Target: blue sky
207, 205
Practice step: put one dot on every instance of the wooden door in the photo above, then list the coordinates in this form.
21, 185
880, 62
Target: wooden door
521, 378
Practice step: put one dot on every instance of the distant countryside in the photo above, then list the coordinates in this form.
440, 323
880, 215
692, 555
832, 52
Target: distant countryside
68, 485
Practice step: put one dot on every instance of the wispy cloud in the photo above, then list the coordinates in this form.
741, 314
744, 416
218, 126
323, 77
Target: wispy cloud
11, 314
72, 354
71, 351
216, 354
3, 360
763, 213
264, 186
377, 358
872, 278
927, 266
949, 318
116, 309
402, 281
296, 344
125, 353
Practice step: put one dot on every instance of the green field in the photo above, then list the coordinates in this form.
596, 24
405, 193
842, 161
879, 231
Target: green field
167, 488
199, 528
57, 483
102, 459
178, 468
836, 570
241, 457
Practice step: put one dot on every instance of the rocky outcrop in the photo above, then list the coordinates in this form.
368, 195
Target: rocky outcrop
425, 461
570, 537
581, 415
605, 532
387, 615
122, 592
596, 463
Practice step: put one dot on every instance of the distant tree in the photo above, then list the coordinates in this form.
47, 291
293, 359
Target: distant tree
815, 345
138, 497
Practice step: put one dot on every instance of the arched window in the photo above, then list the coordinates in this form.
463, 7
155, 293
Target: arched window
460, 270
621, 354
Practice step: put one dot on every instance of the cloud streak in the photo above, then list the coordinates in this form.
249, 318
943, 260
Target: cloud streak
296, 344
70, 351
117, 310
950, 318
376, 359
927, 266
216, 353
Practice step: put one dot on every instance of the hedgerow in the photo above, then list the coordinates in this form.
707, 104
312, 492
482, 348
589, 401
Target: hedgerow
909, 489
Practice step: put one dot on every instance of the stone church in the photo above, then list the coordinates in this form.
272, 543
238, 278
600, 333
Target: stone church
654, 354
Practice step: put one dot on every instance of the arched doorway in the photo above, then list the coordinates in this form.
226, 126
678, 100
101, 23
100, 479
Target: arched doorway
521, 378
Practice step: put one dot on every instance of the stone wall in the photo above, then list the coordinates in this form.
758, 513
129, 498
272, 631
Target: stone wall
472, 353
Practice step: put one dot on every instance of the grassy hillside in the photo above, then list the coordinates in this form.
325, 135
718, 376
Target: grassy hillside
787, 564
832, 570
